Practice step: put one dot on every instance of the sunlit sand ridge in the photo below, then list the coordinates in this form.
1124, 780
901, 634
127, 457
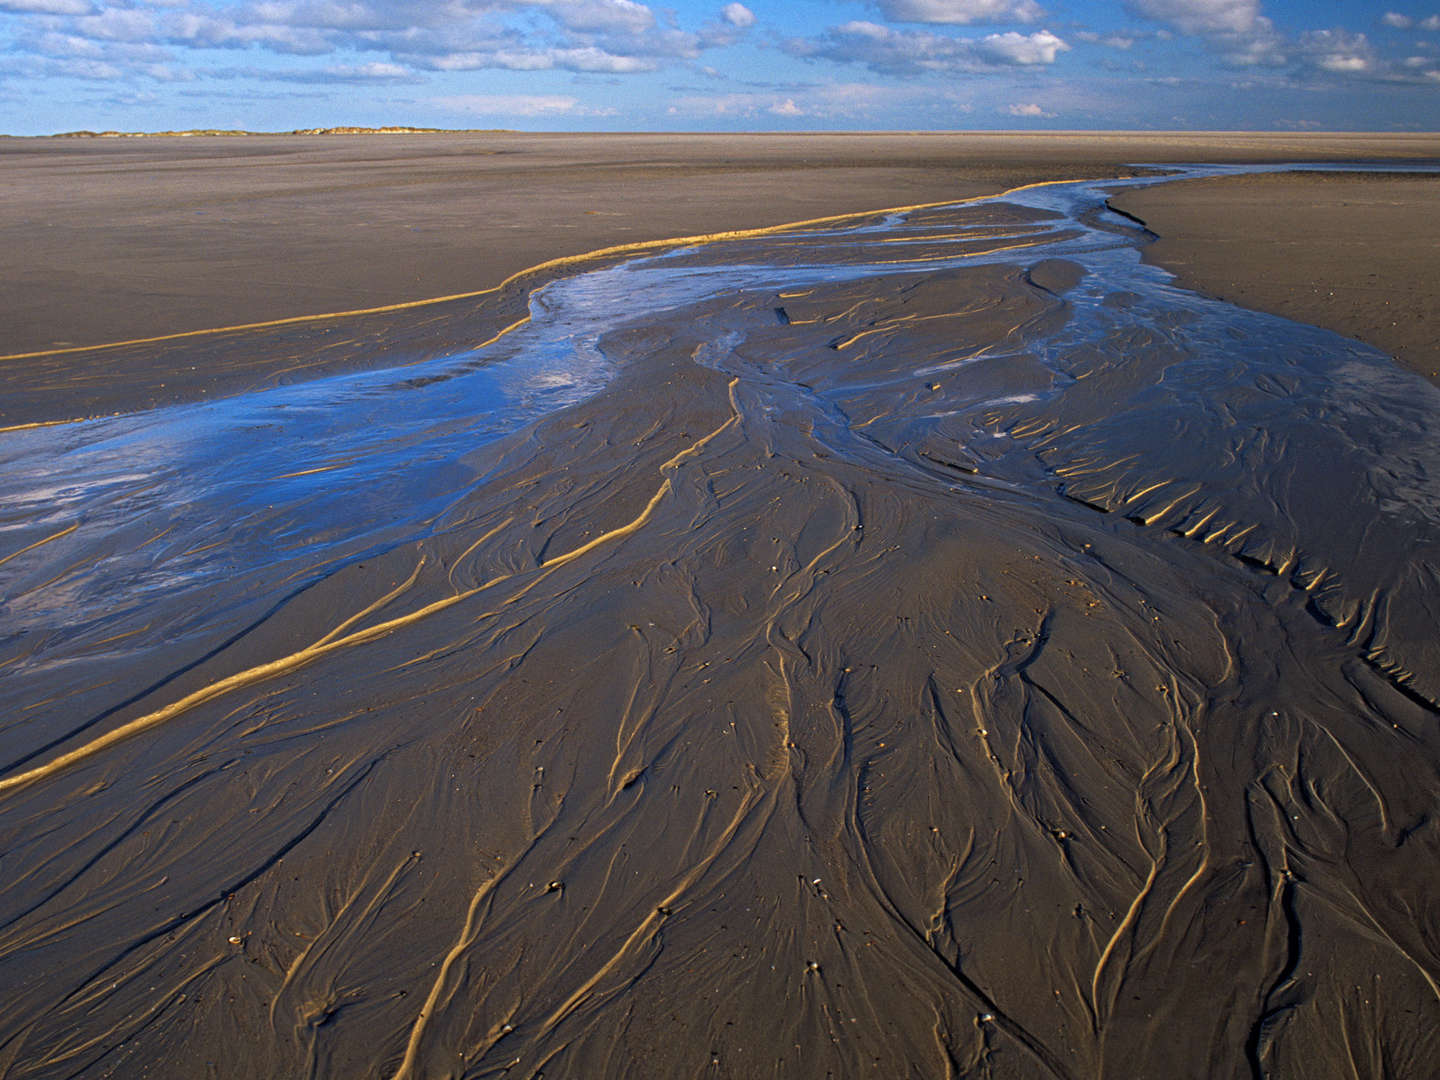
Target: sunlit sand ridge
923, 644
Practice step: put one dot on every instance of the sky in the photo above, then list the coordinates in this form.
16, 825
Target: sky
713, 65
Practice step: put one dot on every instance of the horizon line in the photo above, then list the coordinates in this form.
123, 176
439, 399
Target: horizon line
408, 129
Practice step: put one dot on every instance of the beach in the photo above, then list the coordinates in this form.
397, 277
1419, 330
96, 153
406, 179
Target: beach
915, 642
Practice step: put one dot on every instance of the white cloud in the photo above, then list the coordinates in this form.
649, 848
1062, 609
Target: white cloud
478, 61
613, 37
528, 105
738, 15
116, 24
53, 44
1023, 50
590, 58
961, 12
373, 72
1202, 16
587, 58
913, 52
1234, 29
1344, 63
1405, 22
600, 16
1110, 41
323, 15
47, 7
822, 101
1339, 52
1264, 48
79, 68
1029, 110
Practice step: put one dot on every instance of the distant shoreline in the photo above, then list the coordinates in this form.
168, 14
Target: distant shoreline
240, 133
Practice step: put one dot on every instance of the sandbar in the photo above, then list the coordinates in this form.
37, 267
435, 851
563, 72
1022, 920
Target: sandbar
1356, 253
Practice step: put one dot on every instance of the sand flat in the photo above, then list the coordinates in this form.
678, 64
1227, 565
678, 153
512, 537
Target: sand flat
117, 239
1356, 253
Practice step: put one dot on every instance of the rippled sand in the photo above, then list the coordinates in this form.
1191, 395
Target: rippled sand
924, 645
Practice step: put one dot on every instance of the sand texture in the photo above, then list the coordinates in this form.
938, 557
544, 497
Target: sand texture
1359, 254
928, 643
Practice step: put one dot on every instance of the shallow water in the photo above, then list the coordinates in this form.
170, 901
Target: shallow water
931, 643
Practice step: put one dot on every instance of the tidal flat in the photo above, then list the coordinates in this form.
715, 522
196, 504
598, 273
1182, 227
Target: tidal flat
922, 640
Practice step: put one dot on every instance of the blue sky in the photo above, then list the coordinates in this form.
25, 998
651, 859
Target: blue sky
719, 65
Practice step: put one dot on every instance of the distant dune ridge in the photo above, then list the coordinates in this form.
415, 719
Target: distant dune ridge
231, 132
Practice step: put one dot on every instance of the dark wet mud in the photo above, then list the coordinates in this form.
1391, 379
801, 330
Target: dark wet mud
930, 647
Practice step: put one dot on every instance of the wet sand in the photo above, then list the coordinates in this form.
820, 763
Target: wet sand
1357, 254
996, 663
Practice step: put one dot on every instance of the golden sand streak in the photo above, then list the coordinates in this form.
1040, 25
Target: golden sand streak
121, 637
613, 534
371, 608
38, 543
259, 673
1126, 923
962, 233
311, 472
468, 551
647, 925
695, 448
633, 248
903, 320
38, 423
378, 899
1147, 490
468, 932
324, 647
948, 258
